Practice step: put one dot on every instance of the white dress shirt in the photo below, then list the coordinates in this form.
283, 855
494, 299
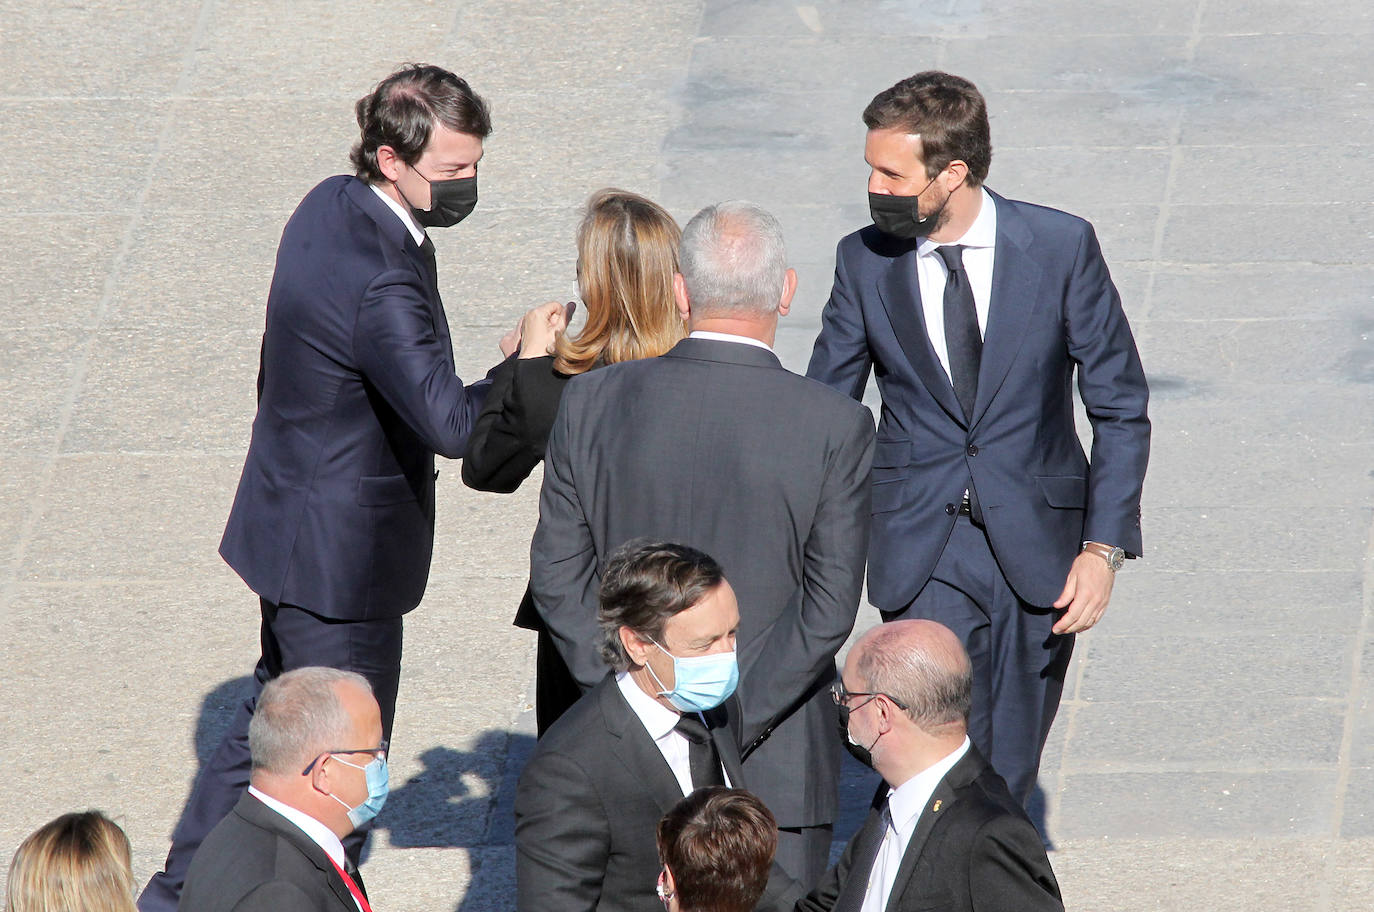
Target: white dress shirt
904, 806
979, 242
661, 723
319, 834
403, 214
728, 337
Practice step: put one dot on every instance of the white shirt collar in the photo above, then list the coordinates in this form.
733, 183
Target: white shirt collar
401, 213
320, 834
982, 233
657, 718
907, 800
728, 337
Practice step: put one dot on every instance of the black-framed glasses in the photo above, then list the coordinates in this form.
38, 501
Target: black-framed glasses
378, 752
841, 696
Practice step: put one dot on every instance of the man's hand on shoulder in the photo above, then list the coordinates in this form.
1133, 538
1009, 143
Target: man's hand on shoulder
1085, 594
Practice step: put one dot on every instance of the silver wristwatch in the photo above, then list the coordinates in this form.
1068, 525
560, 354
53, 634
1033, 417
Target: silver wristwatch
1114, 557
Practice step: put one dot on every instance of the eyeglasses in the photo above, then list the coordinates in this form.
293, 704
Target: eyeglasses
378, 752
842, 696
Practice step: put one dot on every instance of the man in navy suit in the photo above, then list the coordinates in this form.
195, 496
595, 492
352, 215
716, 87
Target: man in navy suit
974, 312
333, 522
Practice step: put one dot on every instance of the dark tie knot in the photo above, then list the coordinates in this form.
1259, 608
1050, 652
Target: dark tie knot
953, 255
693, 729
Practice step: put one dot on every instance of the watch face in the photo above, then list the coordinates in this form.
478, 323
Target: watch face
1116, 559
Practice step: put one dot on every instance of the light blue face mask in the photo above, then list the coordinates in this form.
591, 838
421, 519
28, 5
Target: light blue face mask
700, 682
378, 787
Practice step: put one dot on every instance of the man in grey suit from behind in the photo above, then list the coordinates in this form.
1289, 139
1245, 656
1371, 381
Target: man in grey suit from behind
717, 446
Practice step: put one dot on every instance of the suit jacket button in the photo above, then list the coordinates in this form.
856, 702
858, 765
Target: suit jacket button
951, 509
972, 450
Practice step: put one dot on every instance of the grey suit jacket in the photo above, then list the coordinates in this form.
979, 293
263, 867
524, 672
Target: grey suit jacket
973, 849
588, 805
255, 860
716, 446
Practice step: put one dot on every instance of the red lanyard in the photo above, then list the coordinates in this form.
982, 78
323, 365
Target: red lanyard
352, 887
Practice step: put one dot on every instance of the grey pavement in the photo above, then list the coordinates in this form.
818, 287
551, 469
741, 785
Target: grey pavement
1215, 748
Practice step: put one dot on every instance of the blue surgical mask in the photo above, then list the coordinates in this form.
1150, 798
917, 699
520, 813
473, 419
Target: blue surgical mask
378, 787
700, 682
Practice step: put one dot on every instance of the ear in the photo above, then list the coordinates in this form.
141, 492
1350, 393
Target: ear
388, 162
319, 777
637, 649
669, 883
684, 306
789, 288
956, 175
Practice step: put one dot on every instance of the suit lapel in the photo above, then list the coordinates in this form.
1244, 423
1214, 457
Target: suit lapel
633, 746
260, 815
395, 231
937, 808
1015, 282
900, 292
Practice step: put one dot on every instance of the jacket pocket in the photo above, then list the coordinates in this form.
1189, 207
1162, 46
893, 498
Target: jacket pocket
1066, 492
381, 490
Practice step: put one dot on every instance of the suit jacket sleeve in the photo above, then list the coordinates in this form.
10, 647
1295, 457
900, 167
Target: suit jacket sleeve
827, 890
1008, 871
564, 574
1112, 385
399, 352
562, 837
801, 646
512, 431
841, 357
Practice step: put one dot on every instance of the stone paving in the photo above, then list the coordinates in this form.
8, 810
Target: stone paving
1216, 745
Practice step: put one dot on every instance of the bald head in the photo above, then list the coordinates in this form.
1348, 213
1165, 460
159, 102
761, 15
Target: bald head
922, 664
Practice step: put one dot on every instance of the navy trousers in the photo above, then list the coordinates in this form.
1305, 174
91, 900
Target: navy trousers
291, 638
1018, 662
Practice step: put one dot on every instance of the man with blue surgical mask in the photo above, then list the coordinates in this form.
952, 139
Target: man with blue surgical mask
662, 724
319, 772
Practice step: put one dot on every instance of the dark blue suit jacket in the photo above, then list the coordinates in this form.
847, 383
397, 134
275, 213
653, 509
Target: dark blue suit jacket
1053, 308
357, 392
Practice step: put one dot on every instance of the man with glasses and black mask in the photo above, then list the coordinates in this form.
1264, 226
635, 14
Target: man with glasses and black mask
333, 523
975, 311
945, 833
318, 772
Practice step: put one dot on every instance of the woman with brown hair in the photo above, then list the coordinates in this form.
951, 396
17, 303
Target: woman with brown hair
77, 863
626, 259
716, 846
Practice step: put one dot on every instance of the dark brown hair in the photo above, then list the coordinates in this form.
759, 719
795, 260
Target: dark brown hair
645, 584
949, 114
719, 844
402, 110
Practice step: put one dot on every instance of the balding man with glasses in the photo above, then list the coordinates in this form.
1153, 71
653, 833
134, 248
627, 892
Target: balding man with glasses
945, 833
319, 772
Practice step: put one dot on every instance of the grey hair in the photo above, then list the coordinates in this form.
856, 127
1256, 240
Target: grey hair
936, 689
733, 260
298, 717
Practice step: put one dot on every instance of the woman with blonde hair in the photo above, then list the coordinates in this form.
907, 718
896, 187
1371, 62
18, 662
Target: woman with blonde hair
626, 258
77, 863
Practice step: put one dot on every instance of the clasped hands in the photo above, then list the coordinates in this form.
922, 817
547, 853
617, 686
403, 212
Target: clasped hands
537, 330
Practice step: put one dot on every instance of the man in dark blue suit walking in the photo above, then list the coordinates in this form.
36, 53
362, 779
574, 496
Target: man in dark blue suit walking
333, 522
974, 312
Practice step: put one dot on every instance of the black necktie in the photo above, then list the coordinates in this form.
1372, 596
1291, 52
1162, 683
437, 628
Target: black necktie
963, 342
855, 886
702, 758
427, 254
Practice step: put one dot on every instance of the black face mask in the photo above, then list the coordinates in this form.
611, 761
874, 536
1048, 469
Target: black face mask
856, 750
450, 201
900, 216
